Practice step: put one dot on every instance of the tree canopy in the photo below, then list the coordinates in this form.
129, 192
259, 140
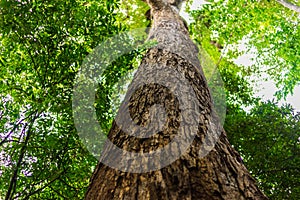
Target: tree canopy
43, 44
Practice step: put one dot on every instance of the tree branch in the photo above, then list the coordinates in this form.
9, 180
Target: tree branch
13, 181
289, 5
46, 185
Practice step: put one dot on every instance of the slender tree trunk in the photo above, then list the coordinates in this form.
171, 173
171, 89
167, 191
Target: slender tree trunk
218, 175
289, 5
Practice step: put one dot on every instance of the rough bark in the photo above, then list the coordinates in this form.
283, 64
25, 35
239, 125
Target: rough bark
218, 175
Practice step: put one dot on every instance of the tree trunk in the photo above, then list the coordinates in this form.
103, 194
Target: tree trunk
208, 168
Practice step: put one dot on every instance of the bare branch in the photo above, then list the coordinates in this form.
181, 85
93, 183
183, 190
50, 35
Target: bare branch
289, 5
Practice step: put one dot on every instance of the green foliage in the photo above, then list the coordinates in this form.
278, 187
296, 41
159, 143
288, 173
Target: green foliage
43, 44
133, 13
266, 25
268, 140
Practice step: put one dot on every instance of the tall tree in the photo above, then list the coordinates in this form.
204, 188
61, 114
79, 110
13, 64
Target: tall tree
204, 170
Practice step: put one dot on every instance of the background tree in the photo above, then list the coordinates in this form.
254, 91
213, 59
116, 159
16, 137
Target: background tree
272, 155
43, 44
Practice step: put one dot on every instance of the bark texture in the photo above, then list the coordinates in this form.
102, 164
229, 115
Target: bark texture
219, 175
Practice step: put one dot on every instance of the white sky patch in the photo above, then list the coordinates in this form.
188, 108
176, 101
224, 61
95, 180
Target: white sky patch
294, 99
244, 60
247, 59
267, 90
